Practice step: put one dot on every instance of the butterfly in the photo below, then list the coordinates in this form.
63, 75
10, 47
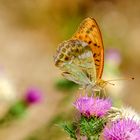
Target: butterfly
81, 58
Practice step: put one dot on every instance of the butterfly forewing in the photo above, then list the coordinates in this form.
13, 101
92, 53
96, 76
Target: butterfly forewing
89, 32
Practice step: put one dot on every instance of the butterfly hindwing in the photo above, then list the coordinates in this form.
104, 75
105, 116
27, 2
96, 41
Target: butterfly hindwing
79, 67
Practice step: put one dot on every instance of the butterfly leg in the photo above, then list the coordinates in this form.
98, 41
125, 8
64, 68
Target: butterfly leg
97, 93
82, 91
104, 92
101, 93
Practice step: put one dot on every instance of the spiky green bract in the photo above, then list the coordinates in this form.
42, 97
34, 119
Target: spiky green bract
91, 127
70, 128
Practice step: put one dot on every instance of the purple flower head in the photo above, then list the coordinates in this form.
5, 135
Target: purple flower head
125, 129
90, 106
113, 56
33, 95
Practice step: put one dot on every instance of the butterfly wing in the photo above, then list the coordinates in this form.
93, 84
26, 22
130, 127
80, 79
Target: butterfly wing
73, 73
89, 32
79, 65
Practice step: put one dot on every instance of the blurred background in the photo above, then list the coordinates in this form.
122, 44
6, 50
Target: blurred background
30, 31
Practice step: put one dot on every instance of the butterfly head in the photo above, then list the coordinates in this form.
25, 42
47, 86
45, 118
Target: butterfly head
101, 83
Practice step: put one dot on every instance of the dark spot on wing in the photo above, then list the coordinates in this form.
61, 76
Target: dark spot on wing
94, 55
65, 73
77, 50
95, 44
89, 42
97, 60
80, 37
87, 31
96, 64
66, 58
91, 29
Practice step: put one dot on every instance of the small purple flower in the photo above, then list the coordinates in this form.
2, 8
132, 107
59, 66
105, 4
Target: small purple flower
90, 106
125, 129
33, 95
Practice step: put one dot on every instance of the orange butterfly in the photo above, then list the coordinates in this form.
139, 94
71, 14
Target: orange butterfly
82, 57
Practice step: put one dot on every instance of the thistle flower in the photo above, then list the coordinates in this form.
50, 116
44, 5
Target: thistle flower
122, 113
125, 129
90, 106
33, 95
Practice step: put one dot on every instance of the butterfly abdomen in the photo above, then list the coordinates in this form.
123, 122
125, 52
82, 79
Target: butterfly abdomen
68, 50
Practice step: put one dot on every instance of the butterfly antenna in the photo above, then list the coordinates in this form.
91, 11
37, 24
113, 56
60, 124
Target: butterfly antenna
130, 78
108, 81
111, 83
